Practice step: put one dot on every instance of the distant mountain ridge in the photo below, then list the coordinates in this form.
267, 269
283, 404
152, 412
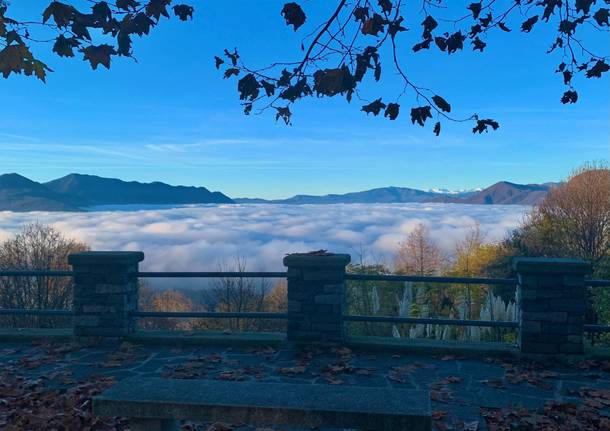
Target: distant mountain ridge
77, 192
506, 193
18, 193
501, 193
93, 190
378, 195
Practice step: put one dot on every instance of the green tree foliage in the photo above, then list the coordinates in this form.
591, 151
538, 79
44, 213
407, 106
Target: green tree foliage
474, 257
371, 298
359, 41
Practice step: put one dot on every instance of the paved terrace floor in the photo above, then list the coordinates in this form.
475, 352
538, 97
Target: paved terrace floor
46, 385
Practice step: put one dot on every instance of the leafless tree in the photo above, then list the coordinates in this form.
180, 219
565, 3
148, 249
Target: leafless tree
37, 247
240, 294
418, 254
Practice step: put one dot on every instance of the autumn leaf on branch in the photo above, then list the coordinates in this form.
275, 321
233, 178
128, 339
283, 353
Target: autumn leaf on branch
374, 107
529, 24
233, 56
64, 47
584, 6
156, 8
602, 17
283, 113
184, 11
478, 44
62, 13
441, 103
569, 96
437, 128
293, 92
396, 27
361, 13
475, 8
420, 115
231, 72
598, 68
269, 88
18, 59
392, 111
248, 87
127, 4
330, 82
97, 55
374, 25
294, 15
482, 125
386, 5
101, 11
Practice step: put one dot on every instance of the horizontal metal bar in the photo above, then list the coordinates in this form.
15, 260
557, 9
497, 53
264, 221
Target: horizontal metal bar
597, 283
34, 312
597, 328
212, 274
211, 314
35, 273
431, 321
416, 278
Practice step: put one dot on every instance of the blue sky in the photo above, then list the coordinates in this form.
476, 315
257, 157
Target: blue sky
170, 117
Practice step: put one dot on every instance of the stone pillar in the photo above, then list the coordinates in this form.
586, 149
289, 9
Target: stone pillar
316, 296
551, 304
105, 292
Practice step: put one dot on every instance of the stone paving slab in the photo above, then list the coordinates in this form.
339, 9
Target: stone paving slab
459, 386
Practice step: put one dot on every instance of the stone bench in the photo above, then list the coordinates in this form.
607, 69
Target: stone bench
156, 404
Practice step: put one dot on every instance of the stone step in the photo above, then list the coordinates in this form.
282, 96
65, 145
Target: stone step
156, 403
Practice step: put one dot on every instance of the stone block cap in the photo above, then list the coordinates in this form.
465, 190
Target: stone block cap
320, 258
105, 257
550, 265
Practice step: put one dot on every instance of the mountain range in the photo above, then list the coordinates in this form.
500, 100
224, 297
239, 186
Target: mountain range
501, 193
78, 192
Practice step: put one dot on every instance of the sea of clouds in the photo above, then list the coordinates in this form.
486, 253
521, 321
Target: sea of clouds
203, 237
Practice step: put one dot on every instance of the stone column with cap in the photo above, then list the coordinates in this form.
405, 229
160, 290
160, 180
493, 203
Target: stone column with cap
105, 293
551, 304
316, 296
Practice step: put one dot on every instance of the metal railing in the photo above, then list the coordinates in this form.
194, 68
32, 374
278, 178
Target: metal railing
597, 329
425, 320
217, 274
597, 283
430, 279
210, 314
35, 311
271, 315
